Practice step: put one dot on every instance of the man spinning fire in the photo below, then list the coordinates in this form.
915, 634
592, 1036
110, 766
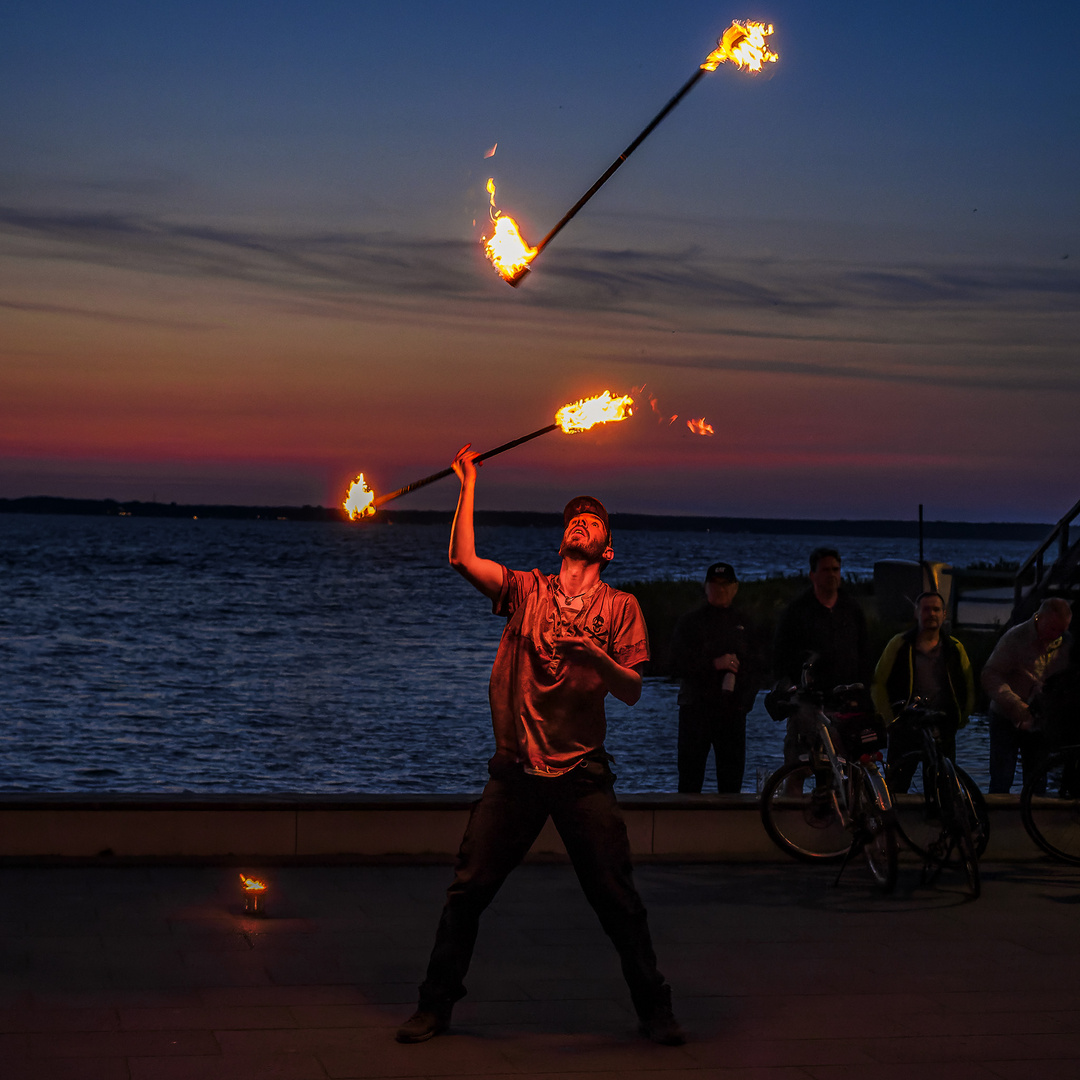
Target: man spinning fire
569, 640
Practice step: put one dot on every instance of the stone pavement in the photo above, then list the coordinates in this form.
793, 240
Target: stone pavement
154, 973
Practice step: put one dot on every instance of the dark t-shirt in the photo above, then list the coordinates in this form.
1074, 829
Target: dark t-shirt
700, 637
837, 634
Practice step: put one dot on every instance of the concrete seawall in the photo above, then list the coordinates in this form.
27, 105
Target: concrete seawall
385, 828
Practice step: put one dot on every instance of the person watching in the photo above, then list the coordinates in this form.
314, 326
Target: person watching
926, 665
715, 654
1023, 659
828, 622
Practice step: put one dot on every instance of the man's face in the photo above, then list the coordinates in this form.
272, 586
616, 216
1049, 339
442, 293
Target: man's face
931, 613
826, 577
586, 537
721, 593
1050, 625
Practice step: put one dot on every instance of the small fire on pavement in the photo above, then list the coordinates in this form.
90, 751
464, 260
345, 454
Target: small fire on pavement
254, 895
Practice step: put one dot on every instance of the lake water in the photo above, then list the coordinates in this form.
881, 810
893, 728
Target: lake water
161, 655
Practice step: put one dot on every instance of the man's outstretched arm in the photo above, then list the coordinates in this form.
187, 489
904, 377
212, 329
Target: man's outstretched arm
486, 575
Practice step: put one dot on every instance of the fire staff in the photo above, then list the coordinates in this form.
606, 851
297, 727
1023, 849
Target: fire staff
569, 640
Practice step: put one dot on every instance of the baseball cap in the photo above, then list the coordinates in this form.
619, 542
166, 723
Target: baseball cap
585, 504
721, 571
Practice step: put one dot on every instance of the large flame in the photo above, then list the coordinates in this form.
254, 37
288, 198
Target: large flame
699, 427
252, 884
744, 45
587, 413
360, 501
508, 252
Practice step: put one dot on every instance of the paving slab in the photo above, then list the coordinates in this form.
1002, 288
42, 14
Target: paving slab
779, 973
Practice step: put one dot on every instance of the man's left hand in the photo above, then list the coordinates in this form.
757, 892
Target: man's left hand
581, 648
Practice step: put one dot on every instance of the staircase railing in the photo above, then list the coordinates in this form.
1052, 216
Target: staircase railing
1037, 559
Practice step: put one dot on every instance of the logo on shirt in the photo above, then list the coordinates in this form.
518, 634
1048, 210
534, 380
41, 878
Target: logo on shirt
597, 624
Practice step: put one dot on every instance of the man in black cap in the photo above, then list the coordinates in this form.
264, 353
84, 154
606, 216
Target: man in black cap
714, 652
569, 641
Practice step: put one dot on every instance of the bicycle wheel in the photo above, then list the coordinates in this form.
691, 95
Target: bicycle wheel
980, 830
878, 833
962, 824
804, 824
1052, 817
918, 817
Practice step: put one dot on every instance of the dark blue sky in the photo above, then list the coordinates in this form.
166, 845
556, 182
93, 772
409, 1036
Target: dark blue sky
238, 256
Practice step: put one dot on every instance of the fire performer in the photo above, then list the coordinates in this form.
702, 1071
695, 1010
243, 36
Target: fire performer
569, 640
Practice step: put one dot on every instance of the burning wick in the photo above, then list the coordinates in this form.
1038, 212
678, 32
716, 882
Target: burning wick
253, 895
509, 254
742, 43
578, 416
360, 501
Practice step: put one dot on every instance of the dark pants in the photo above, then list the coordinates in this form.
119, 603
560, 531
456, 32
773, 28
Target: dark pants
1006, 741
903, 739
502, 827
718, 726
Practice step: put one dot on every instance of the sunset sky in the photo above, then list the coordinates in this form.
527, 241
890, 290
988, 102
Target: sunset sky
240, 260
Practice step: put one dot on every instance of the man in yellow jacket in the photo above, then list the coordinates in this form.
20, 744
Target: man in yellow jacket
926, 664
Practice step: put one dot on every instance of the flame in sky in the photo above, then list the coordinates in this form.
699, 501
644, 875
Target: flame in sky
744, 45
661, 416
252, 884
699, 427
588, 412
508, 252
360, 501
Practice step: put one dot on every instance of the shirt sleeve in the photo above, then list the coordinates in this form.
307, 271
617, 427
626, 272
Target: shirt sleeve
879, 691
508, 598
630, 641
996, 675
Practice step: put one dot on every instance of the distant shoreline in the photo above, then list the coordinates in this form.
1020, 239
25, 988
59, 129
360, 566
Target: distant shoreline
932, 530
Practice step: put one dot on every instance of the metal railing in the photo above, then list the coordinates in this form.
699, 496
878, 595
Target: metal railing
1037, 560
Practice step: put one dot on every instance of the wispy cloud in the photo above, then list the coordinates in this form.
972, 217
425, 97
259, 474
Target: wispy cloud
103, 316
961, 324
999, 374
617, 280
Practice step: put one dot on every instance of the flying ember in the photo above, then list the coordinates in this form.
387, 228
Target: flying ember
699, 427
508, 252
360, 501
744, 45
587, 413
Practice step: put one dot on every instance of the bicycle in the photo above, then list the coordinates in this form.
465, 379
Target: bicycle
836, 803
946, 812
1050, 805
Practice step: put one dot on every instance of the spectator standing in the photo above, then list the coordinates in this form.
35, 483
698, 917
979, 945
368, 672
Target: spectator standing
1023, 659
714, 652
932, 667
827, 621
